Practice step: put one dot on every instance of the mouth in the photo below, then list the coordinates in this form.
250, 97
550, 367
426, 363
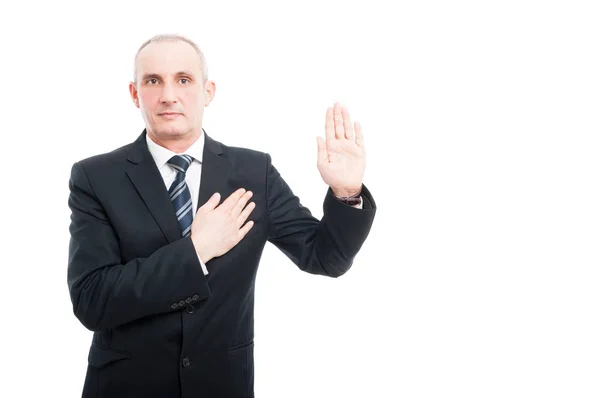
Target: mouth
170, 115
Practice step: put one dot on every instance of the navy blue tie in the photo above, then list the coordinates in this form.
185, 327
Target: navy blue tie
180, 193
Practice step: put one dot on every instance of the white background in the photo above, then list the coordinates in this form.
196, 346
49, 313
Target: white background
480, 277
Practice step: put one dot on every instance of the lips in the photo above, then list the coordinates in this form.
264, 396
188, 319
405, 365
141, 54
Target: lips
169, 115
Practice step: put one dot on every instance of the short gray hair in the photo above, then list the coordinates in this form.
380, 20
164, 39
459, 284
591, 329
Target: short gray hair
172, 37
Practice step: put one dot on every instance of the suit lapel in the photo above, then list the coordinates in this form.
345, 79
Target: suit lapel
215, 171
149, 183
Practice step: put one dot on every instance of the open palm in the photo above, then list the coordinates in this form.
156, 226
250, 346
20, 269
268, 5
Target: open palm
341, 156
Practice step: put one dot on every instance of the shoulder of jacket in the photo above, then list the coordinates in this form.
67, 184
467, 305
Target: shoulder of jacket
105, 159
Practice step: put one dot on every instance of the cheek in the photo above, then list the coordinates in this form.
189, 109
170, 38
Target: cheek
147, 97
193, 104
192, 98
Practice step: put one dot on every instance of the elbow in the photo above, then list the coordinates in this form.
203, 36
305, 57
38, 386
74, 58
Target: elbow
335, 271
333, 268
87, 309
91, 302
91, 325
88, 317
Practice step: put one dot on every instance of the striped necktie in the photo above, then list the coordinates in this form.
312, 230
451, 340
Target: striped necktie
180, 193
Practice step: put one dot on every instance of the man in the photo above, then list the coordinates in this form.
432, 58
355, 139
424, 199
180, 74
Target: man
167, 233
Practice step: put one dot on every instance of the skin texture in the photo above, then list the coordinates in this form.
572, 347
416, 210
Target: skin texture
171, 93
341, 156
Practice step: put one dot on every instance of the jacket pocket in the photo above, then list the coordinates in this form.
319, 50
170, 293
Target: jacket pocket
101, 356
240, 347
241, 369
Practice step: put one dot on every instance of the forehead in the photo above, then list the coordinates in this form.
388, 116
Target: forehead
168, 58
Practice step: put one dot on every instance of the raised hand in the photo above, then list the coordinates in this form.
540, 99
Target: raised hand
215, 230
341, 158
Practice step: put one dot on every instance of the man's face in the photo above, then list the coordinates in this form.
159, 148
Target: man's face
170, 90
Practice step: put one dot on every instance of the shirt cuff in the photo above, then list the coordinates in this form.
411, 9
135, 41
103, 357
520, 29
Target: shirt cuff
204, 266
360, 205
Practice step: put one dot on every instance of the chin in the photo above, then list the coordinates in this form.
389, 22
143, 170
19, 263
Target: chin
170, 130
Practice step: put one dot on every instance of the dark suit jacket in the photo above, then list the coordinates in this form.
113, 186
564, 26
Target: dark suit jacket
161, 327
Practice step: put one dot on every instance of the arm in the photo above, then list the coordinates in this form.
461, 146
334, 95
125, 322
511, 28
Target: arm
325, 247
107, 293
329, 246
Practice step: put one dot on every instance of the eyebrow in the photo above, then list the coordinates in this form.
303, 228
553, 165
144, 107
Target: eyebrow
157, 76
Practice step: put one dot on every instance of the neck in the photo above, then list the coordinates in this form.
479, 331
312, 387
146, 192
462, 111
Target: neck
178, 144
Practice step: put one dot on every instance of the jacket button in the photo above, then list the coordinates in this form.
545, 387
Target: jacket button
189, 309
181, 303
195, 297
185, 362
174, 306
188, 300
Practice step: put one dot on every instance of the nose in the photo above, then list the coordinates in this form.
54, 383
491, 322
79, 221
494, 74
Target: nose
168, 95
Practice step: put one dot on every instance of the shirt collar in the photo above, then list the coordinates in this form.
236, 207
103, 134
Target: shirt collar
161, 154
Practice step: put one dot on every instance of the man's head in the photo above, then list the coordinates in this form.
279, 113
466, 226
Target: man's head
171, 88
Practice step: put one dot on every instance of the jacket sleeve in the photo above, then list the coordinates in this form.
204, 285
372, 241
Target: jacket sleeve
327, 246
105, 292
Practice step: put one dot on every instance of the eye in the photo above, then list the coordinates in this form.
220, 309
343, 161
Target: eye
152, 81
184, 80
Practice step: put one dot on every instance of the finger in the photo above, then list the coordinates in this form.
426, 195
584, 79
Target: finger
348, 130
245, 229
322, 157
359, 135
211, 203
329, 125
228, 204
241, 203
245, 213
339, 121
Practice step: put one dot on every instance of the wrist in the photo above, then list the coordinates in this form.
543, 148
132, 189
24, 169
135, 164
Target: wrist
201, 253
346, 192
350, 198
204, 257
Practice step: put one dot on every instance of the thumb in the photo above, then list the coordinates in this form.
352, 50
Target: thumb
212, 202
322, 151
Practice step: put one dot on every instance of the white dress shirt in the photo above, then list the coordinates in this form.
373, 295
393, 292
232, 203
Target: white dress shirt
192, 176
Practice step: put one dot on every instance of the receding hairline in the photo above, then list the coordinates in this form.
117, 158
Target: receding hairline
172, 37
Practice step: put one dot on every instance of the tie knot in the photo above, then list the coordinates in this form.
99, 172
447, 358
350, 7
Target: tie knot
181, 162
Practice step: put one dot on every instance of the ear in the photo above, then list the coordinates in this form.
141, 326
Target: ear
134, 94
209, 92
